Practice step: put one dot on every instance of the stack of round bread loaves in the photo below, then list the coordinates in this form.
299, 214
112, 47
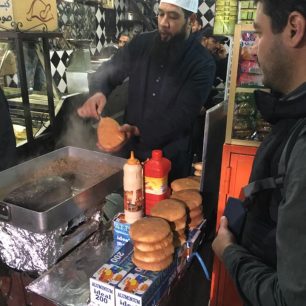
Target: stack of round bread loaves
153, 244
191, 182
173, 211
193, 200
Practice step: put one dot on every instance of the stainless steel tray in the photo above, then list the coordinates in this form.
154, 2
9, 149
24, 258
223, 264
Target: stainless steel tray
100, 175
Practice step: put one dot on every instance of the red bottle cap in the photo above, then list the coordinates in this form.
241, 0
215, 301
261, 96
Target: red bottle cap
157, 154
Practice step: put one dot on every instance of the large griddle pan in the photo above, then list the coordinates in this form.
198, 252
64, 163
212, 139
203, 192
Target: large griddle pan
39, 196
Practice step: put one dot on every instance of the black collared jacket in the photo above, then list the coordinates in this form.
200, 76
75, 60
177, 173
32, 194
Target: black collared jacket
163, 100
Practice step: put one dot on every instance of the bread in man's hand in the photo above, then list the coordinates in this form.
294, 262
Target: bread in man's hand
109, 135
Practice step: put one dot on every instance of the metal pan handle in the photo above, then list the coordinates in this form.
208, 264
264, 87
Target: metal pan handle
5, 212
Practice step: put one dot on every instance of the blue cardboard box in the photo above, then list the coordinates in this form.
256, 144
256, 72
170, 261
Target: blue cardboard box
121, 231
104, 280
144, 288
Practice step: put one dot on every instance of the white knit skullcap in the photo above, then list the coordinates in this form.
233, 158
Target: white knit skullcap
188, 5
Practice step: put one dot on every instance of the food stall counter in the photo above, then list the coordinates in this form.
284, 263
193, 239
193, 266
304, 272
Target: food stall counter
67, 282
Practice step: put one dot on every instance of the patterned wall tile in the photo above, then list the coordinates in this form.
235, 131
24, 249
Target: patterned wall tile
59, 61
68, 16
207, 11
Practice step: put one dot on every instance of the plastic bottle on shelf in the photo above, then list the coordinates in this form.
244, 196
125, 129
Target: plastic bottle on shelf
156, 171
133, 189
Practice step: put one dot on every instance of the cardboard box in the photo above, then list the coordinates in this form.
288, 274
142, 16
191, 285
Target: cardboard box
121, 231
120, 240
119, 282
28, 15
144, 288
104, 281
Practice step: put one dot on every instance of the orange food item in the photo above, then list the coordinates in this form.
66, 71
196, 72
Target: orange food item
109, 136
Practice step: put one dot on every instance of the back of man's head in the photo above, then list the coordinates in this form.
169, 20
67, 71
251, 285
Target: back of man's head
279, 11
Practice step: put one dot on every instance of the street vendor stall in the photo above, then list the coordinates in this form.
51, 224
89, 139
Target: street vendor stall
55, 228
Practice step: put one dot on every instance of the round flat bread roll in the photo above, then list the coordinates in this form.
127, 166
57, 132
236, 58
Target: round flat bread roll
153, 266
192, 198
149, 230
195, 222
195, 178
109, 135
169, 209
154, 256
180, 232
149, 247
179, 224
196, 212
198, 173
198, 166
185, 183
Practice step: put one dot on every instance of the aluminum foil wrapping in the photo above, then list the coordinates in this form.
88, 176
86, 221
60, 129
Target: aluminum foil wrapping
27, 251
67, 283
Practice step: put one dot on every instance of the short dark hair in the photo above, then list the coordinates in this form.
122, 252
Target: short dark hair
279, 11
187, 14
124, 33
199, 20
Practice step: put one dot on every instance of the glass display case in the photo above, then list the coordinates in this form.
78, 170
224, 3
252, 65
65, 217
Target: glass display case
245, 125
26, 80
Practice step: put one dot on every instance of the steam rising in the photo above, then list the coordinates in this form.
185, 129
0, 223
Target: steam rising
79, 132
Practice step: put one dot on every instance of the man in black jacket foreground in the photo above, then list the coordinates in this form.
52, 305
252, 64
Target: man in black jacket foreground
170, 76
268, 264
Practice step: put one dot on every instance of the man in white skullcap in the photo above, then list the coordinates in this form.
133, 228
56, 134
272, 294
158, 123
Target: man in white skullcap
170, 76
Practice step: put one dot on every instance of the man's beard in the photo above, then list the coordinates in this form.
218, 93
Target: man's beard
168, 50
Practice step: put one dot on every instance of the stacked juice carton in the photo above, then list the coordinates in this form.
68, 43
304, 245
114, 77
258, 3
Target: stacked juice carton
121, 231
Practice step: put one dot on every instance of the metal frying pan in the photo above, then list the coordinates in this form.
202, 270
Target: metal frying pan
40, 195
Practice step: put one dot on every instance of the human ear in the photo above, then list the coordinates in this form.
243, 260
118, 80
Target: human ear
192, 18
295, 29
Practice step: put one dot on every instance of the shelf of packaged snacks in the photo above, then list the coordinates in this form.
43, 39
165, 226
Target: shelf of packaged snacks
246, 11
244, 124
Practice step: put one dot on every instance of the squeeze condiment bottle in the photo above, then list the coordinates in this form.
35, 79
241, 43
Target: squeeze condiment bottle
156, 172
133, 189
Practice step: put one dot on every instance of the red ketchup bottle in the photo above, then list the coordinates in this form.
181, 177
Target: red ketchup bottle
156, 172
